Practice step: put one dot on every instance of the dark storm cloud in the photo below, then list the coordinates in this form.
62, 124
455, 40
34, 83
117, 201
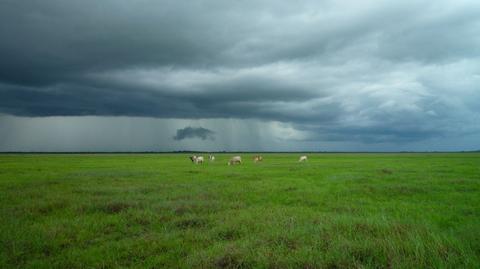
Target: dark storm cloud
368, 71
194, 132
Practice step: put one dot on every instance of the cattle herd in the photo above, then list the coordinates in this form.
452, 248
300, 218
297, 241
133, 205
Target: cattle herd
235, 160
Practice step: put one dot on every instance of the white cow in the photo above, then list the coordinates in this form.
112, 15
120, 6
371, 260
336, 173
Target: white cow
303, 158
235, 160
211, 158
199, 159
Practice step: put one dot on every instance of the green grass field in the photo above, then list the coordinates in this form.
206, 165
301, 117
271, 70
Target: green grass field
161, 211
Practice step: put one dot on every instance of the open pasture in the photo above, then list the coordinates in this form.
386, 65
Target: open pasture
163, 211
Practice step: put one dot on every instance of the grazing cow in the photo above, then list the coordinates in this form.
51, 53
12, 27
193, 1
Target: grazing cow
199, 159
257, 158
235, 160
302, 158
193, 158
211, 158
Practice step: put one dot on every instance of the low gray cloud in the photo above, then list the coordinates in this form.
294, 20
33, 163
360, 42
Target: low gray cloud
194, 132
361, 71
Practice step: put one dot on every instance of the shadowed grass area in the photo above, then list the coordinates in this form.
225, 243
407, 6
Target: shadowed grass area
160, 210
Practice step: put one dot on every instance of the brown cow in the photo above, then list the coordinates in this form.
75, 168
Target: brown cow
257, 158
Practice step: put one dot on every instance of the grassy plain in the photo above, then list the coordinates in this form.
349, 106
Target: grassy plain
161, 211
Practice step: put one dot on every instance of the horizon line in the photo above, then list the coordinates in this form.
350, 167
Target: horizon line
197, 151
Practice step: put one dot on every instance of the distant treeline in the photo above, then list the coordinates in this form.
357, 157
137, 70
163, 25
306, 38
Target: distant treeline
220, 152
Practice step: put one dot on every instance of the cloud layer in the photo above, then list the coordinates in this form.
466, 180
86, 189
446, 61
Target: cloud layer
338, 71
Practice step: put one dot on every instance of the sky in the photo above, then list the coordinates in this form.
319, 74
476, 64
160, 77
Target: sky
244, 75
